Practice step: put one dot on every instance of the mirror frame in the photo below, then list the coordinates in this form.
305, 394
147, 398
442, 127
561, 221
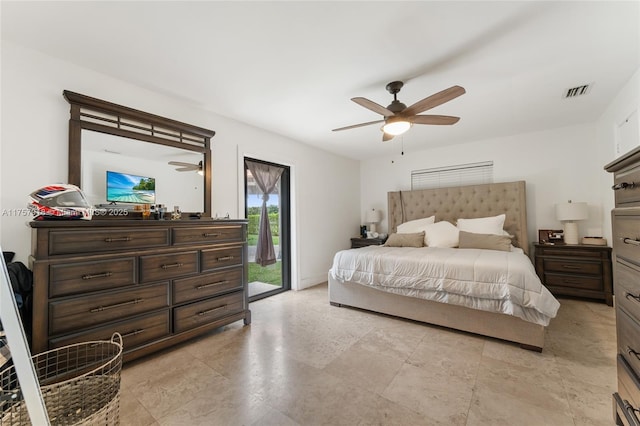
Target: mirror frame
106, 117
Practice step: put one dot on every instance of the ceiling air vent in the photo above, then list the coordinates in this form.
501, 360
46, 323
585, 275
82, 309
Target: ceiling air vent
577, 91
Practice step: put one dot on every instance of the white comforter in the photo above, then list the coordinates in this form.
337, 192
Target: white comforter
489, 280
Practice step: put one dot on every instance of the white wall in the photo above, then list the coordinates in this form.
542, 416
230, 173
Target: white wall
558, 165
34, 153
610, 146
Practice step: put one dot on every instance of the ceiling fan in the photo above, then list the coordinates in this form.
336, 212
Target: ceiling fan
187, 167
398, 118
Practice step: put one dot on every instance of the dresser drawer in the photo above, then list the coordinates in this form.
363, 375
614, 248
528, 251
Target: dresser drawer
628, 184
92, 241
626, 237
83, 312
573, 281
625, 411
207, 285
135, 332
83, 277
628, 339
199, 313
628, 290
221, 257
573, 267
207, 234
628, 383
158, 267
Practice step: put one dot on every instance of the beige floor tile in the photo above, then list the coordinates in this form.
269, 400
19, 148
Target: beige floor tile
436, 394
305, 362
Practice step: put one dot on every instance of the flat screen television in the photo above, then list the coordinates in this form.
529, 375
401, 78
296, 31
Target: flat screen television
128, 188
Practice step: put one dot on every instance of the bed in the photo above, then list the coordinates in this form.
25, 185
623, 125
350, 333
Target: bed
449, 204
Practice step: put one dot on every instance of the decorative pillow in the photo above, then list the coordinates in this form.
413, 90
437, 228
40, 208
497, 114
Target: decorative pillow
483, 225
406, 240
484, 241
414, 226
441, 234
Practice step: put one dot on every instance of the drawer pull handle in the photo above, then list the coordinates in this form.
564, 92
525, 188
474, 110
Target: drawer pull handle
212, 234
633, 352
133, 333
171, 265
200, 287
222, 259
631, 241
631, 410
100, 275
571, 267
623, 185
116, 305
210, 311
634, 297
117, 240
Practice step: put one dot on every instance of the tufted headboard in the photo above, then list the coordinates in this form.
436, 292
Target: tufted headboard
466, 202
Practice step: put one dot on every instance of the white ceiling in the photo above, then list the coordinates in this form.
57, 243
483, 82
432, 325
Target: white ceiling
291, 67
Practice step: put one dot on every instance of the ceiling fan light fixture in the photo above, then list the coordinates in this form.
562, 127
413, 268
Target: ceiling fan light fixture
396, 127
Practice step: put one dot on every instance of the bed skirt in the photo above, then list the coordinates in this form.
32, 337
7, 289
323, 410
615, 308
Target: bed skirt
506, 327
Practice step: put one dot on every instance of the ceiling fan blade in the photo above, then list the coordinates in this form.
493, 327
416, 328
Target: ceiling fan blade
386, 137
434, 100
373, 106
434, 119
180, 163
185, 169
358, 125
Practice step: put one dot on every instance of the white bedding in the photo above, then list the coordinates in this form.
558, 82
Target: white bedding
489, 280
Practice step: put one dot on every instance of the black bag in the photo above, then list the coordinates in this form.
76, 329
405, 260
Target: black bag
21, 279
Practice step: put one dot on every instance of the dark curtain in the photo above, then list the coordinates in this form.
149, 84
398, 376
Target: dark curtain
266, 177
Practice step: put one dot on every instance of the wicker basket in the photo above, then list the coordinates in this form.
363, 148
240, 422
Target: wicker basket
80, 385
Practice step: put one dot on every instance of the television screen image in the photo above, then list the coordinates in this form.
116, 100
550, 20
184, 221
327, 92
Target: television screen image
128, 188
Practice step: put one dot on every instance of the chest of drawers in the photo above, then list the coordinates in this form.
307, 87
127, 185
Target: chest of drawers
157, 283
625, 219
576, 270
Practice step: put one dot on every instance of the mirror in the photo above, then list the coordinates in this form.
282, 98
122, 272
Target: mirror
173, 186
132, 144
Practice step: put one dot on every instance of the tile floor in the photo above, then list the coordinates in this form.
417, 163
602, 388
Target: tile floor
304, 362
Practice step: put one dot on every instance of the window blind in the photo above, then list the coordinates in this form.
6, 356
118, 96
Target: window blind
455, 175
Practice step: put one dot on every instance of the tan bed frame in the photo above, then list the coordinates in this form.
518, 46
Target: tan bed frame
450, 204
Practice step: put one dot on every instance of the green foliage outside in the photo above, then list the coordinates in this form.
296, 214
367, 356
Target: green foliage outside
254, 223
268, 274
146, 184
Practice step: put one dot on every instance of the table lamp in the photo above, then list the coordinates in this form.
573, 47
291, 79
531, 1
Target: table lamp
373, 216
569, 213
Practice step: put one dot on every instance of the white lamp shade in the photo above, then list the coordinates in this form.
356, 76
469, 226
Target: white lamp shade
572, 211
374, 216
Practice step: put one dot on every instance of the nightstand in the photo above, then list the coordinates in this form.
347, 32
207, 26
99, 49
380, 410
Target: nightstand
576, 270
358, 242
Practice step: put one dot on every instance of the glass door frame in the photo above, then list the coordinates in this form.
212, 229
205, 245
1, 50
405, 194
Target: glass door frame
285, 225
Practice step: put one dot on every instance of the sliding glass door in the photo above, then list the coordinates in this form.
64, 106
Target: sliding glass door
267, 207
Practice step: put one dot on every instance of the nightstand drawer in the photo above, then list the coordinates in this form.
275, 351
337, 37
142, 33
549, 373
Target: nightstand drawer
572, 267
586, 283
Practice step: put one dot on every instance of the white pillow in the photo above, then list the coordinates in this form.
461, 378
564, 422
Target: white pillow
483, 225
414, 226
441, 234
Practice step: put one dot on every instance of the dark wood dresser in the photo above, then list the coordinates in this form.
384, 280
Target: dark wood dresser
156, 282
625, 219
576, 270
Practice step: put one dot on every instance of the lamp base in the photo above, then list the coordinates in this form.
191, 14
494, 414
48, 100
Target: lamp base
570, 233
372, 227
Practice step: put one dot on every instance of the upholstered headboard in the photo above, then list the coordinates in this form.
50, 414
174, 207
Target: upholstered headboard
466, 202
